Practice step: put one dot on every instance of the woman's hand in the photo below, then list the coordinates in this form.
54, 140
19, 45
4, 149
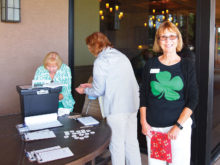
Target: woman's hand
146, 129
60, 96
184, 116
80, 90
173, 133
86, 85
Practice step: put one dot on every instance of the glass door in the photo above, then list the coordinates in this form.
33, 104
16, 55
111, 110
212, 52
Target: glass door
131, 25
217, 54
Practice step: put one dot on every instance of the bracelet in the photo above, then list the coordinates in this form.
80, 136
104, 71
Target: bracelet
179, 125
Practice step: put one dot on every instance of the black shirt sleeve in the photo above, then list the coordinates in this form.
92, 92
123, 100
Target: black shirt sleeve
144, 88
192, 87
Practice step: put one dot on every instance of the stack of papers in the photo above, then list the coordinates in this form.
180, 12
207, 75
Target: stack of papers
39, 83
42, 121
46, 83
89, 120
54, 85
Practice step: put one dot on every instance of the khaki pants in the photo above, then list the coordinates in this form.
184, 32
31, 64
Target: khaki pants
124, 146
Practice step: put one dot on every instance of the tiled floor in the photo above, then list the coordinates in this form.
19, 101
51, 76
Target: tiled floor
144, 159
217, 163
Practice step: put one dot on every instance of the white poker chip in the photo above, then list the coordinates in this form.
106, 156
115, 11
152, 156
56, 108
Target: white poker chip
66, 133
75, 137
72, 131
88, 130
66, 136
82, 134
86, 136
81, 138
92, 132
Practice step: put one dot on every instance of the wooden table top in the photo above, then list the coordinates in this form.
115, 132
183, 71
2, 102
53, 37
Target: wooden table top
12, 147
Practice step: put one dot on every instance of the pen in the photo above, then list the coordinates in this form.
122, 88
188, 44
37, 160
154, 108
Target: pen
38, 157
29, 156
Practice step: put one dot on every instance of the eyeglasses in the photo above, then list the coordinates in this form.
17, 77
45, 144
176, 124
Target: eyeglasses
171, 37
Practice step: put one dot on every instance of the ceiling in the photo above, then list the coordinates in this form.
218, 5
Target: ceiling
136, 6
186, 6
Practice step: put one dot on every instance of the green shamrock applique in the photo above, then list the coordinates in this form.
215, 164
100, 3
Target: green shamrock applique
166, 86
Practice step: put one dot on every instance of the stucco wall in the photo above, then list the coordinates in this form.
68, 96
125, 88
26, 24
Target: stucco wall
43, 28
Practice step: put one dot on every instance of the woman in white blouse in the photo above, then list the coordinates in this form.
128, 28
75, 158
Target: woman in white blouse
114, 79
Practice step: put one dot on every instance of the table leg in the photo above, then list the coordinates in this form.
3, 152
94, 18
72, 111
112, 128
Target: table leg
93, 162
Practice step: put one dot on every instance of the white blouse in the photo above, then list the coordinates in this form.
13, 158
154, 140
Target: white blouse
114, 79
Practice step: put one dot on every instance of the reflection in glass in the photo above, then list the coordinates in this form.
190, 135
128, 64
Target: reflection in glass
140, 20
216, 98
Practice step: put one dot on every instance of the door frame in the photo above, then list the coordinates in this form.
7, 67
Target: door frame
205, 52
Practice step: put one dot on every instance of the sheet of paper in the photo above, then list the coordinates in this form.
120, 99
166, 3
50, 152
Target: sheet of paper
37, 135
63, 111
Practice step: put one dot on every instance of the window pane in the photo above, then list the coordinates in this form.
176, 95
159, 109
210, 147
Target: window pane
10, 3
16, 14
10, 14
16, 4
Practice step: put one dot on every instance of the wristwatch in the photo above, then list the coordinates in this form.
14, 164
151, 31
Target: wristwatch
179, 125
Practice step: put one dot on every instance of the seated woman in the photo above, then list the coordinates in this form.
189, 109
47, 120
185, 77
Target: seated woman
53, 69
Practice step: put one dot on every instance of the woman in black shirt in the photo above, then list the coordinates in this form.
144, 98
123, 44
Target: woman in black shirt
168, 96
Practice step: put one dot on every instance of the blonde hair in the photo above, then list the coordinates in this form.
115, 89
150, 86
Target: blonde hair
167, 25
52, 57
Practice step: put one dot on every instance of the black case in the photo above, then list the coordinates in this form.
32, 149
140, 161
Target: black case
38, 101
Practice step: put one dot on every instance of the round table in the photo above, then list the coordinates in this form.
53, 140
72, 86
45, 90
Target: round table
13, 148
